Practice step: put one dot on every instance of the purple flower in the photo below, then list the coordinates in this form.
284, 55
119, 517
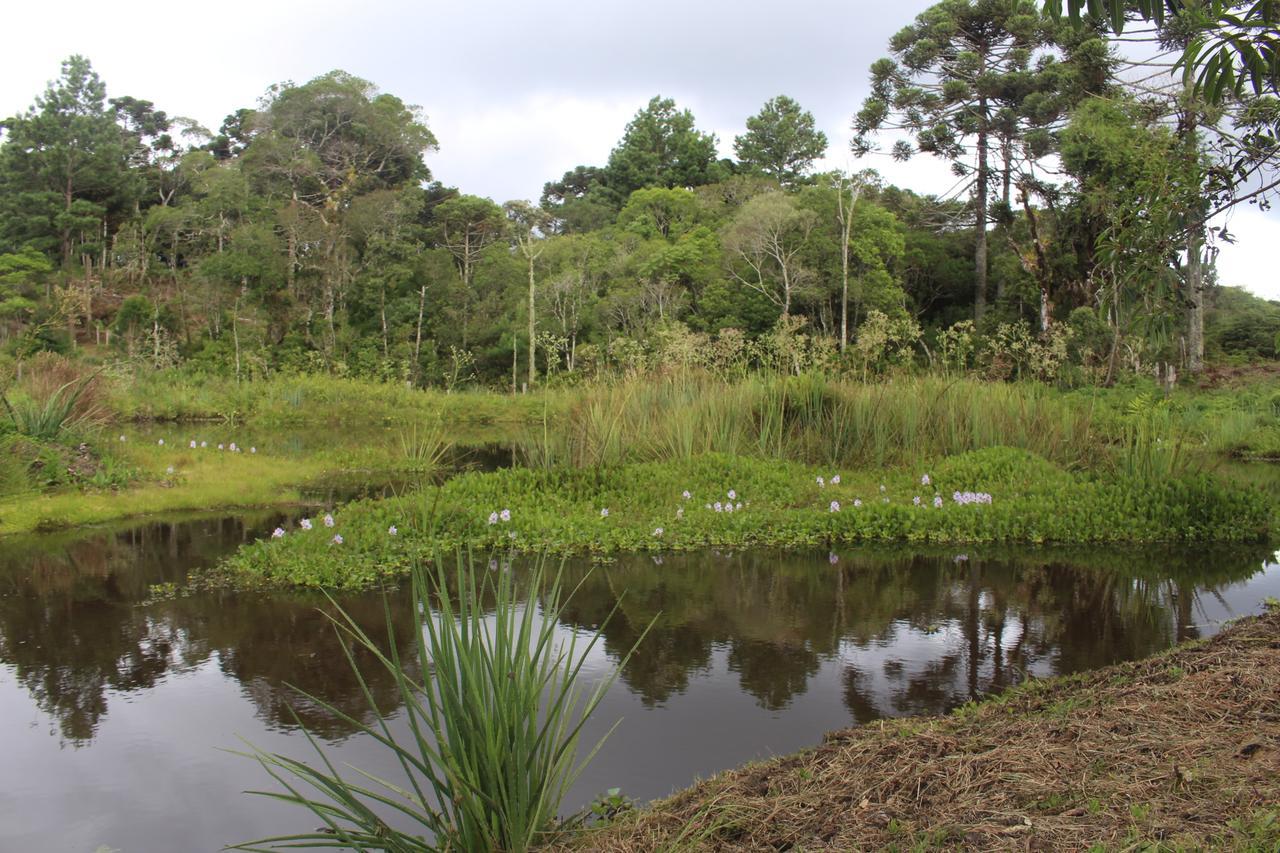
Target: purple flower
493, 518
916, 500
604, 513
739, 506
857, 502
685, 494
832, 558
305, 524
924, 481
160, 443
835, 479
505, 515
328, 520
821, 483
657, 531
278, 533
192, 444
937, 501
337, 539
391, 531
835, 506
719, 507
733, 496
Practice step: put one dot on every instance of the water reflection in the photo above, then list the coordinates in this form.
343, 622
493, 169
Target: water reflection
73, 628
910, 633
750, 654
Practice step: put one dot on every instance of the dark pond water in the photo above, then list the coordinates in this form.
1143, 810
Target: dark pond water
115, 715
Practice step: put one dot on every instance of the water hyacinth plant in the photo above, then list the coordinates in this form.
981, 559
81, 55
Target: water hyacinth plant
494, 734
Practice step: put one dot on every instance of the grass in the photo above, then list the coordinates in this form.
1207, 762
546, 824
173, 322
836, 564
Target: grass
494, 742
291, 400
201, 480
1121, 758
562, 511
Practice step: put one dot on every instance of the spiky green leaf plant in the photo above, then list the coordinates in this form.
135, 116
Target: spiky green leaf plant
494, 727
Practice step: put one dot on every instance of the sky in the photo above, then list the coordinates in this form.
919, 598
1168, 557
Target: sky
517, 93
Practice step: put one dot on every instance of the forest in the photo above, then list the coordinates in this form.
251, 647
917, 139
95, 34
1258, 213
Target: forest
306, 234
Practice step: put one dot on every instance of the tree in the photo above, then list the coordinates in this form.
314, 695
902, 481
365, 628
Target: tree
661, 147
781, 141
1240, 44
317, 147
763, 244
528, 227
580, 201
62, 167
968, 69
466, 225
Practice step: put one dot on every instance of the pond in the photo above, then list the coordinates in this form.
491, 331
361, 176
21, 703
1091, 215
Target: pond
116, 713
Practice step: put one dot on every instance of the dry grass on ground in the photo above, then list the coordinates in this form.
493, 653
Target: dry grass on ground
1180, 751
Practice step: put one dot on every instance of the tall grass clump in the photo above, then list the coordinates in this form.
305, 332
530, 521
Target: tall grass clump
813, 419
424, 449
54, 396
494, 728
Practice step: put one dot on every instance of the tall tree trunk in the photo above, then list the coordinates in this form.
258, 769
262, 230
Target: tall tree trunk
417, 341
533, 369
980, 243
846, 223
1195, 255
1195, 298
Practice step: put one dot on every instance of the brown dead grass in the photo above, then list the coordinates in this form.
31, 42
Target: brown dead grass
1180, 751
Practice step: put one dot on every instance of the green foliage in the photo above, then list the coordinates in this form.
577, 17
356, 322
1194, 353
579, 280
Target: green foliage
48, 417
781, 141
495, 727
561, 510
661, 147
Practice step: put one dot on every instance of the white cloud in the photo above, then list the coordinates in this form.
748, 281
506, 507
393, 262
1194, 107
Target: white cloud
1251, 262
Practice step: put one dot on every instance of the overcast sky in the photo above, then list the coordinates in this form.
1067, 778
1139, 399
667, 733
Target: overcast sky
517, 93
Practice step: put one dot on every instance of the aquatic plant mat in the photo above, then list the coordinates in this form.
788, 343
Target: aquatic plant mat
1180, 751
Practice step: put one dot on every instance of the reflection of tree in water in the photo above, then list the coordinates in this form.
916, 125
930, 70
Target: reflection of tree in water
69, 626
71, 631
269, 643
772, 672
779, 615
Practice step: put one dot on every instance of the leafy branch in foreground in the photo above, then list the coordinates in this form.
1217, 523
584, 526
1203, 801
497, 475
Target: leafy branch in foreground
494, 728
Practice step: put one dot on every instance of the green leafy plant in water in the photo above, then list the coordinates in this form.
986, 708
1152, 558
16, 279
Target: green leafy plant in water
495, 731
425, 449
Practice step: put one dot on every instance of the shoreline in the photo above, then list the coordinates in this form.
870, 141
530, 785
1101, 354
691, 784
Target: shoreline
1180, 750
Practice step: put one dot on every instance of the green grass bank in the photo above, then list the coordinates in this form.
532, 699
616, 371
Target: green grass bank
642, 507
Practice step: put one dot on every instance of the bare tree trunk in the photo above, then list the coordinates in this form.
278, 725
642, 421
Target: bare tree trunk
1195, 300
382, 305
980, 243
417, 341
846, 222
235, 324
533, 369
